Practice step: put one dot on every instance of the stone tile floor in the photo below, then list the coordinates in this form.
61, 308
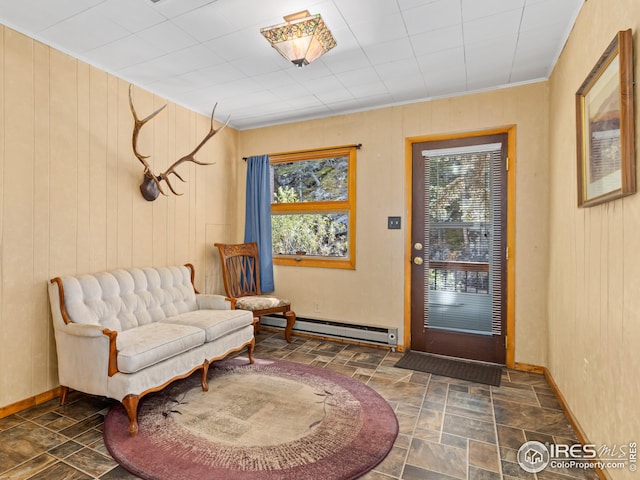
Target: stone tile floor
449, 429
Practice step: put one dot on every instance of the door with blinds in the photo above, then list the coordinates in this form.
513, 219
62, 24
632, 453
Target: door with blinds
458, 247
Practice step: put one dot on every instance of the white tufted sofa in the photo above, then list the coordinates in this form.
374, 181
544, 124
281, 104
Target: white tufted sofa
126, 333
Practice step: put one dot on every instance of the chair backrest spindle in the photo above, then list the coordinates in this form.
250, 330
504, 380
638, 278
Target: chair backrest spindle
240, 269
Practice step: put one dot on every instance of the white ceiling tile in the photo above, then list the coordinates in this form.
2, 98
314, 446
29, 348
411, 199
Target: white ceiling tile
249, 121
287, 91
388, 51
408, 4
240, 44
303, 101
371, 101
497, 71
437, 40
340, 61
84, 31
445, 82
172, 86
220, 74
356, 11
36, 15
495, 49
205, 23
130, 15
245, 13
432, 16
348, 105
444, 72
364, 90
276, 79
404, 69
530, 72
145, 73
196, 52
182, 62
254, 100
442, 61
357, 77
402, 90
545, 12
122, 53
324, 84
487, 80
333, 95
173, 8
499, 25
195, 57
534, 69
473, 9
239, 88
167, 37
255, 65
221, 94
380, 29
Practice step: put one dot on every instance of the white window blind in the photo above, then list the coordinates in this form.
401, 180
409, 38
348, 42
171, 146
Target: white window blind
464, 253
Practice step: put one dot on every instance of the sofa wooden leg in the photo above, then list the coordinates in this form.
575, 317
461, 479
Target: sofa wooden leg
250, 348
205, 371
64, 394
130, 403
291, 320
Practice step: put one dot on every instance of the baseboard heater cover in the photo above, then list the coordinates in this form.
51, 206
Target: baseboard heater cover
361, 333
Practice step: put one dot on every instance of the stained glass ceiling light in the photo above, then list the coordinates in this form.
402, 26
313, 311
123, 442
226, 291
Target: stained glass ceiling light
302, 39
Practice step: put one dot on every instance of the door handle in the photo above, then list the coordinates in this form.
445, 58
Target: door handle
417, 260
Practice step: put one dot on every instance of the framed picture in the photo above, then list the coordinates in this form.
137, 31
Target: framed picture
605, 126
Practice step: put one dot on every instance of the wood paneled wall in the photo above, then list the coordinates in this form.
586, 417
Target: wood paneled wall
70, 200
594, 274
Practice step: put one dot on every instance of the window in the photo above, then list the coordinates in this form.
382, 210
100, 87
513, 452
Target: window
313, 208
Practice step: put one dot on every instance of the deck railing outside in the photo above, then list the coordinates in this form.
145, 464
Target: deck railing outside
464, 277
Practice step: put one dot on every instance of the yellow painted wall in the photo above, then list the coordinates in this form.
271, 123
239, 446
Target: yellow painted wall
374, 292
69, 198
594, 281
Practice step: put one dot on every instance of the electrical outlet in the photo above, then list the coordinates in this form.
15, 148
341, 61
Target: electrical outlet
316, 307
393, 223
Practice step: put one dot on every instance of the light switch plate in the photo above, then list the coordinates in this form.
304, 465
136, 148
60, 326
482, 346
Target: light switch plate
393, 223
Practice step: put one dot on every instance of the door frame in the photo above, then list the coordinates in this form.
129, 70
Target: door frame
510, 131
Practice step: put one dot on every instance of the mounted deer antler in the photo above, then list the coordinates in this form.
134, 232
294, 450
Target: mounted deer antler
150, 186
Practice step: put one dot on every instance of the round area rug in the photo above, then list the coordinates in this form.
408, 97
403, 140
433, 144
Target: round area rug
267, 421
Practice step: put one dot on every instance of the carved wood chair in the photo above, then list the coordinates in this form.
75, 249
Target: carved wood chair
241, 275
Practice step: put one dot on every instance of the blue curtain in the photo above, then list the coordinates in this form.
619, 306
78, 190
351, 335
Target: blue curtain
257, 226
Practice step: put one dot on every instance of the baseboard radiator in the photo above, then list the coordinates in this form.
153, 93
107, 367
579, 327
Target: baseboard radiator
359, 333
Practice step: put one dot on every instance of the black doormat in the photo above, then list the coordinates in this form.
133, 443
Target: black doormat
473, 372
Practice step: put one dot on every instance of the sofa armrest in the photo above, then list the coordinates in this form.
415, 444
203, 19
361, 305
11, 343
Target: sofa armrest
86, 357
82, 330
213, 302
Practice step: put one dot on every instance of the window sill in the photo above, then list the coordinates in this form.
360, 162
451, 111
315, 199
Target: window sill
316, 262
